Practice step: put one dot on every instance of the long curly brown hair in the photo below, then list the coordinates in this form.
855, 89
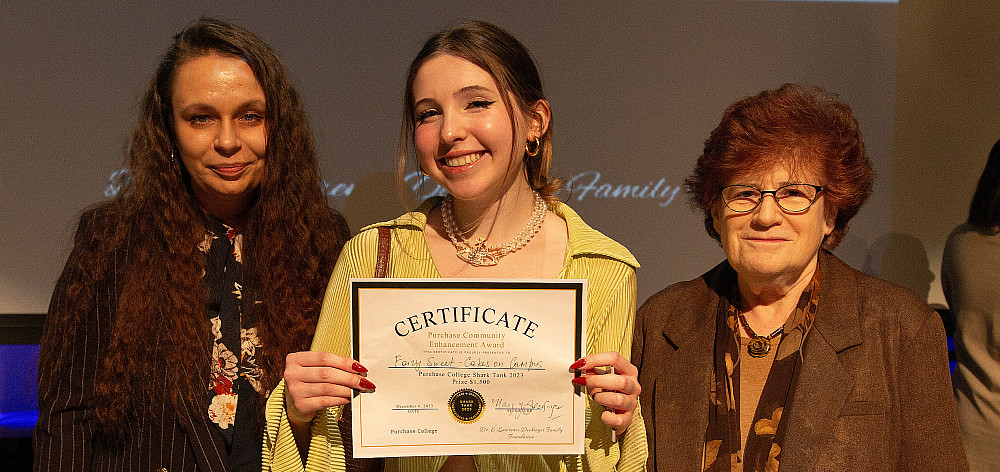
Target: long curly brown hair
291, 242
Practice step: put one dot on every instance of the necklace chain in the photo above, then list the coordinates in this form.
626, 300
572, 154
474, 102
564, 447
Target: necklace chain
758, 346
481, 254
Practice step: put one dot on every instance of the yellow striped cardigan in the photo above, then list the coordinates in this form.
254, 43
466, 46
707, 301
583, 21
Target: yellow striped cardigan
607, 265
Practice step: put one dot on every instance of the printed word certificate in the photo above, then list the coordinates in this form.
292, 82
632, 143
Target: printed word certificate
469, 366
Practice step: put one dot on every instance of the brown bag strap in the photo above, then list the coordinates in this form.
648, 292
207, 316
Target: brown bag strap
354, 464
382, 262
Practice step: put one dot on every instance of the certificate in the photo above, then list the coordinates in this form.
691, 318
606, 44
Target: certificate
469, 366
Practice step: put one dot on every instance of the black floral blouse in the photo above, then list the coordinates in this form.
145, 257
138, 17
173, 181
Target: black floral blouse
234, 384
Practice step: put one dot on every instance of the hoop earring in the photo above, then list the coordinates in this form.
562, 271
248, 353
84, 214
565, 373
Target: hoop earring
533, 151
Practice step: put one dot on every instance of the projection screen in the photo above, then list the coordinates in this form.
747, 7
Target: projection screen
635, 89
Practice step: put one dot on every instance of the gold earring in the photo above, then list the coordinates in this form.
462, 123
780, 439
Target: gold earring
533, 151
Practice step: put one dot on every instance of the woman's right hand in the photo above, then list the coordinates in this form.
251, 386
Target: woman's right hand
315, 380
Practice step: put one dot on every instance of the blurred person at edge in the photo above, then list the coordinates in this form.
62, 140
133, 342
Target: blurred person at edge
481, 128
783, 355
970, 271
183, 294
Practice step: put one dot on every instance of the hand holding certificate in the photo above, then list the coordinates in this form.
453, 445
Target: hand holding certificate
619, 394
469, 367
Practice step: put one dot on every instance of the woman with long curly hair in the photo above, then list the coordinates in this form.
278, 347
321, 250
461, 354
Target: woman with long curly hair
183, 294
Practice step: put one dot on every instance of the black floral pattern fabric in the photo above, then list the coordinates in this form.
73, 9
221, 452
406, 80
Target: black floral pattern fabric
234, 383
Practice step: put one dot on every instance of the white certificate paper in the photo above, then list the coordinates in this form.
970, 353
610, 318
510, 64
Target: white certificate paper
469, 366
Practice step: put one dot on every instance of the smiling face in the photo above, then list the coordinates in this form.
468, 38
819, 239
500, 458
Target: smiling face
463, 134
768, 244
218, 109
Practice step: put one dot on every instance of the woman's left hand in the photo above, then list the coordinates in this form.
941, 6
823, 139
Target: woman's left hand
617, 390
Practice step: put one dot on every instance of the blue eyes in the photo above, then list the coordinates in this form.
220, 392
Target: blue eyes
472, 105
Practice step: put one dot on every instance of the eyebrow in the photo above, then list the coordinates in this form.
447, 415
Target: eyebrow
196, 106
473, 88
462, 91
757, 184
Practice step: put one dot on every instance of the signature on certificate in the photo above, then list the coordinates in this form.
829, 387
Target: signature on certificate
527, 407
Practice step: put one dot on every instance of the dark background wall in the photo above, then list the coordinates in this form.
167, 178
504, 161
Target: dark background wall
635, 89
947, 119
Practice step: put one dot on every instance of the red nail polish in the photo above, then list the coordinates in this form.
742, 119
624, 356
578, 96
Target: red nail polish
580, 380
358, 368
577, 364
367, 384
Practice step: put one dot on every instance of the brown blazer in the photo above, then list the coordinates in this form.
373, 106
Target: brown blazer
874, 392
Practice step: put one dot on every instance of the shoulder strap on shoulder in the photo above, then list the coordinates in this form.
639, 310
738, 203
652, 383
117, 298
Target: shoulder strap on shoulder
382, 262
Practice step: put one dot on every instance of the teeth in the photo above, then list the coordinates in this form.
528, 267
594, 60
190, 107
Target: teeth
462, 160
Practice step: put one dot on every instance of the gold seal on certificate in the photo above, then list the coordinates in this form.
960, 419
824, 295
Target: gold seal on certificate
466, 405
469, 366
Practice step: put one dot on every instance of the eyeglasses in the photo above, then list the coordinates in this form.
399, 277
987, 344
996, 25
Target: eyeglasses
792, 198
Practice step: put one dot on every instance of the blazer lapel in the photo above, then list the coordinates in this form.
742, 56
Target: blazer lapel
207, 445
824, 382
680, 391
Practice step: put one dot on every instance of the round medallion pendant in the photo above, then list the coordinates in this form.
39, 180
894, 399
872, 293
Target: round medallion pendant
758, 346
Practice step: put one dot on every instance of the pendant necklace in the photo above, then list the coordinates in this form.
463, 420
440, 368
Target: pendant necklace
759, 346
479, 253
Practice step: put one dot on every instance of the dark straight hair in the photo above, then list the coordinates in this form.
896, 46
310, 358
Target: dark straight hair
984, 211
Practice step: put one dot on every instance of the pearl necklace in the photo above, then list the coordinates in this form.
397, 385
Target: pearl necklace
478, 253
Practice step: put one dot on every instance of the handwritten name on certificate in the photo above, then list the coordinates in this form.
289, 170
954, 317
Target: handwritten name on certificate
469, 366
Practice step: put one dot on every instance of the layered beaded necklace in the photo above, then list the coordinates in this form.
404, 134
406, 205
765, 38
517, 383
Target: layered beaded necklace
479, 253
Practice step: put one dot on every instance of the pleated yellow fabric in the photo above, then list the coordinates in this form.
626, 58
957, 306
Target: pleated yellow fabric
608, 266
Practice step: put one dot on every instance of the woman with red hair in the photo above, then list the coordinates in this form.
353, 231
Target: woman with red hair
783, 355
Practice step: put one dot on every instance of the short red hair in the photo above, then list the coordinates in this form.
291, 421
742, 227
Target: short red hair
801, 127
